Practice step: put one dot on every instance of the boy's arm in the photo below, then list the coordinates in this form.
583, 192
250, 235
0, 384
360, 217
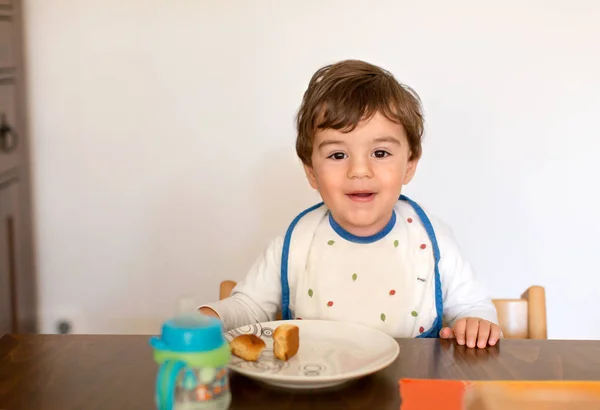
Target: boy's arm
463, 294
257, 298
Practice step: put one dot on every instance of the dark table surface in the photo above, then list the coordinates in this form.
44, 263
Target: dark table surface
117, 372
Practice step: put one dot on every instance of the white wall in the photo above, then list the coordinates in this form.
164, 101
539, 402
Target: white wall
164, 143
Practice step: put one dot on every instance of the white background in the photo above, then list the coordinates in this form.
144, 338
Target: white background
164, 155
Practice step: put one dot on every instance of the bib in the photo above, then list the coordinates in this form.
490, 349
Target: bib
326, 277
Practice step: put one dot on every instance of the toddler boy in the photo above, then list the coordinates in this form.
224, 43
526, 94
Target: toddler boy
366, 254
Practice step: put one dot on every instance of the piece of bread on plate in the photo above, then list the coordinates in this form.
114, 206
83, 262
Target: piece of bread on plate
286, 341
247, 347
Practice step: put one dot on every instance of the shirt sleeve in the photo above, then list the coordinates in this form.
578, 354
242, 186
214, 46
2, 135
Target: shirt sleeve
463, 294
257, 298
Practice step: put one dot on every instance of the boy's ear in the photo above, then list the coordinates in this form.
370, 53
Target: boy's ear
411, 168
310, 175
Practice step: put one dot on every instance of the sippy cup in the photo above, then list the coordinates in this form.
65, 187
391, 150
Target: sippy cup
193, 355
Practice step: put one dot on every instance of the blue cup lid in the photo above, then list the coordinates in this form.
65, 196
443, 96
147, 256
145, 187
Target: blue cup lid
192, 332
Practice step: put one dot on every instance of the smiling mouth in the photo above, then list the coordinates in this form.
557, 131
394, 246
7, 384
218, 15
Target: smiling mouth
361, 196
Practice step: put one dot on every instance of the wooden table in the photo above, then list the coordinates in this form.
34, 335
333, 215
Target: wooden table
94, 372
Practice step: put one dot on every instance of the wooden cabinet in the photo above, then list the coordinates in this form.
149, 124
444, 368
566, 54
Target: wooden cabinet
7, 258
18, 307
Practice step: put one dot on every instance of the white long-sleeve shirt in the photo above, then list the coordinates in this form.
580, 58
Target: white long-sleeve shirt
356, 281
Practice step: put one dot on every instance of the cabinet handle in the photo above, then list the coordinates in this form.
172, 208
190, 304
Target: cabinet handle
8, 137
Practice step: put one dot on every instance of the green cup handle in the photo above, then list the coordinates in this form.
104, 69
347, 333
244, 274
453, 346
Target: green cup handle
165, 383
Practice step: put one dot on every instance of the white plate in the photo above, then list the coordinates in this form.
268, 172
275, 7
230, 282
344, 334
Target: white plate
330, 353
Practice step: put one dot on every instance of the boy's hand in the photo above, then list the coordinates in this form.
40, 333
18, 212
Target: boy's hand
472, 331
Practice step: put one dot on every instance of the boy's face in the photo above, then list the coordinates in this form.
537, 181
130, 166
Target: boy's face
360, 174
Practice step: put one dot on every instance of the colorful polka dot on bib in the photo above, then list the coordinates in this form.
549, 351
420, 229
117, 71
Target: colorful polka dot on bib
409, 220
354, 277
310, 293
421, 329
382, 317
396, 243
414, 313
329, 304
330, 242
423, 246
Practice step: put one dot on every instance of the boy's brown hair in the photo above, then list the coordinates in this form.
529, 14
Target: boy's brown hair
340, 95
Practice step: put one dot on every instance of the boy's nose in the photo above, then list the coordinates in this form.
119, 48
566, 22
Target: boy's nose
360, 168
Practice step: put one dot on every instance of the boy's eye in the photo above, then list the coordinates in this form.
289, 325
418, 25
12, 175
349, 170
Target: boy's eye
381, 154
337, 155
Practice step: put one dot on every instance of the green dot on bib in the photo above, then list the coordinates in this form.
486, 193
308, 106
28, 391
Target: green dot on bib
383, 317
414, 313
310, 293
330, 242
396, 243
354, 277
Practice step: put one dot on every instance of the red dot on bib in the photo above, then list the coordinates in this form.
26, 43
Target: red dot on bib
330, 304
421, 329
409, 220
392, 292
423, 246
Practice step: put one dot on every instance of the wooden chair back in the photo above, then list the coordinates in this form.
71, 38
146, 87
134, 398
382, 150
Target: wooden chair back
225, 289
523, 318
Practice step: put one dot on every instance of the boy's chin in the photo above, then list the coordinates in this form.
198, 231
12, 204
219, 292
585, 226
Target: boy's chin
365, 226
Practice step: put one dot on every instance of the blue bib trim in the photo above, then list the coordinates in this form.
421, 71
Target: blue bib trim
285, 286
363, 239
434, 331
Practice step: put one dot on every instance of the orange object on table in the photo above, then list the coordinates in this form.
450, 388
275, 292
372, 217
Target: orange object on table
428, 394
